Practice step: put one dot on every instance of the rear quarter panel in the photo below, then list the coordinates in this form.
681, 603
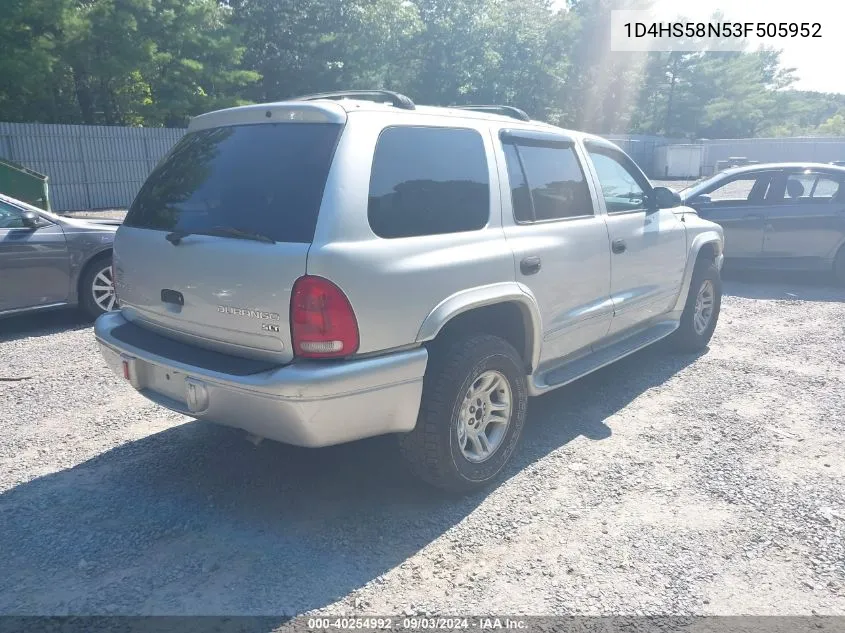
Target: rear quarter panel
394, 284
84, 243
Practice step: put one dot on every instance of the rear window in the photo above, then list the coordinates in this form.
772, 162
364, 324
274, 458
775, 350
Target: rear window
265, 178
428, 181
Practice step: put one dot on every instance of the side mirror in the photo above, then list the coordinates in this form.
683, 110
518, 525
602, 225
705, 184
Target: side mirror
31, 219
665, 198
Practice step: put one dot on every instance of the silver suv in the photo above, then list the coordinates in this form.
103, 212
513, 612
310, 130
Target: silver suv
347, 265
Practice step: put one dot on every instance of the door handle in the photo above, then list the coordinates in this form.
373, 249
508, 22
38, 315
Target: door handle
530, 265
768, 228
618, 246
172, 296
752, 216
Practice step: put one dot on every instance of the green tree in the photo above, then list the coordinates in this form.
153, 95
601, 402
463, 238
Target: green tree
834, 126
31, 83
194, 61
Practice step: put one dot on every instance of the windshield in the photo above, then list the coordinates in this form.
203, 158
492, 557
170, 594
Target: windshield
264, 179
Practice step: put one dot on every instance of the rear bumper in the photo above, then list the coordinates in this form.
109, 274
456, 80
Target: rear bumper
304, 403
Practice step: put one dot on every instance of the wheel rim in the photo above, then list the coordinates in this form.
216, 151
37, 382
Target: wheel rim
704, 302
484, 417
103, 290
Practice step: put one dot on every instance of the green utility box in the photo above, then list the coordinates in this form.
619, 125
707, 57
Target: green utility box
24, 184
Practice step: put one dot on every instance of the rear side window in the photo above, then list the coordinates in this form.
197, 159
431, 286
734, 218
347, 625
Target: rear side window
428, 181
520, 194
266, 178
806, 187
547, 182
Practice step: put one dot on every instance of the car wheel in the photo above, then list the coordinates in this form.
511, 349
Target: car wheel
96, 288
839, 267
472, 413
701, 311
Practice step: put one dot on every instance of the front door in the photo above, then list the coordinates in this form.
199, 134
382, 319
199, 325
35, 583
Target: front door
648, 245
739, 204
558, 238
34, 265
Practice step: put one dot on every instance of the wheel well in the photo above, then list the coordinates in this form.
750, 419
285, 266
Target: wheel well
507, 320
708, 252
106, 254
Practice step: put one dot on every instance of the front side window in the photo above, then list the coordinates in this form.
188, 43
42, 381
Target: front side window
546, 181
428, 181
619, 185
10, 217
746, 189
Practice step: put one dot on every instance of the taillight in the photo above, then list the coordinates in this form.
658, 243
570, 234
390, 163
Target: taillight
322, 322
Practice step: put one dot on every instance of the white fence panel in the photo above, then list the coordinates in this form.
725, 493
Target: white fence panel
89, 166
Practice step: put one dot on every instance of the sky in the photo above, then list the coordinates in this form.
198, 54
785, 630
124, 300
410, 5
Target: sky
818, 62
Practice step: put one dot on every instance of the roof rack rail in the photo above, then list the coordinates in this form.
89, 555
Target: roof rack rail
514, 113
395, 99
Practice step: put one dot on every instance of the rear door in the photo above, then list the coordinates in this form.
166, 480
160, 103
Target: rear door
559, 240
34, 262
806, 217
738, 203
220, 231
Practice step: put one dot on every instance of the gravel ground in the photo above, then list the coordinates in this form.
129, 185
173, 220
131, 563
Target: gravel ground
665, 484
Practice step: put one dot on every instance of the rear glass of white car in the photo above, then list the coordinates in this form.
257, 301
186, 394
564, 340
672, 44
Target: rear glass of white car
266, 179
428, 181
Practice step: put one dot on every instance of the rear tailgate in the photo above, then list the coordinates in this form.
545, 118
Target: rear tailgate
220, 231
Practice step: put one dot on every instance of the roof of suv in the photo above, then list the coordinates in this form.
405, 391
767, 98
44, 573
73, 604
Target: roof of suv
329, 110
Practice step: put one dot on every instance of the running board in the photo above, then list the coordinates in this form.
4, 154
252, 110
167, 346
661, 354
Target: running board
574, 369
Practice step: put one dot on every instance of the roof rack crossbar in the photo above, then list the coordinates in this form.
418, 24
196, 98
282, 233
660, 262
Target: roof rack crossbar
394, 98
514, 113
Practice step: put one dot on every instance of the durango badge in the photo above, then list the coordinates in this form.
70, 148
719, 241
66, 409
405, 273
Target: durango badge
256, 314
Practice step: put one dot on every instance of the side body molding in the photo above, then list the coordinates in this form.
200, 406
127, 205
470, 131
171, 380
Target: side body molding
472, 298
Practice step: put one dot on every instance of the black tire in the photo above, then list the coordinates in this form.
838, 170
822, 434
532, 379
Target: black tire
686, 338
839, 267
86, 283
432, 450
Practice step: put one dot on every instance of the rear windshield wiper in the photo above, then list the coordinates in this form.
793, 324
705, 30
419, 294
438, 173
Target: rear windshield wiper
220, 231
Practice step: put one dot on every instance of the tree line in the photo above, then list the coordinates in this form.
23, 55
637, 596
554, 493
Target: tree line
159, 62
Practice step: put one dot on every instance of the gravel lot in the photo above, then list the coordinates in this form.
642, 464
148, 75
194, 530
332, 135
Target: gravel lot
667, 484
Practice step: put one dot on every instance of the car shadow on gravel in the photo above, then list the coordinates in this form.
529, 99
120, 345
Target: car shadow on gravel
195, 520
42, 324
581, 409
780, 285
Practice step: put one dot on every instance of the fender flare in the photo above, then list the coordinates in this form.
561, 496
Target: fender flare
507, 292
699, 241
